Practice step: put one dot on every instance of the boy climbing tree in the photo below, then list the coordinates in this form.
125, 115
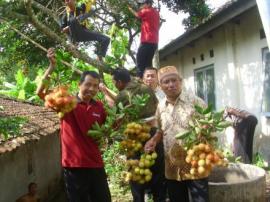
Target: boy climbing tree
74, 24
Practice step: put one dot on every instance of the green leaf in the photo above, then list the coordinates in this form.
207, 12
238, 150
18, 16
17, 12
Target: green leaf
198, 130
20, 78
183, 135
218, 115
208, 109
198, 109
120, 105
21, 94
191, 123
224, 124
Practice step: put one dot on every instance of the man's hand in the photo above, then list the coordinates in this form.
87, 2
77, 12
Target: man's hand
66, 29
51, 56
102, 87
133, 11
150, 146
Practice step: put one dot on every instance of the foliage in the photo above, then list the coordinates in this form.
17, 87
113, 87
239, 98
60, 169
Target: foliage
23, 89
203, 126
118, 117
230, 156
258, 160
18, 53
198, 10
112, 16
114, 165
11, 126
119, 47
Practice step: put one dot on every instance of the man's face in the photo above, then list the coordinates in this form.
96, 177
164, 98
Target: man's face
89, 87
33, 189
171, 85
70, 2
150, 78
119, 85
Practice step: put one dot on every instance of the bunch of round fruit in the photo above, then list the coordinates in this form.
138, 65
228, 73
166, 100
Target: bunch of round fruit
130, 147
60, 100
139, 170
203, 157
136, 131
135, 136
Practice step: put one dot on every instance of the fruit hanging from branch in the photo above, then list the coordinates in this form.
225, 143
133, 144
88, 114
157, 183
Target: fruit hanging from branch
139, 169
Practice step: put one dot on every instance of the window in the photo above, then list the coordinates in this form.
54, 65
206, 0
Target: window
205, 84
266, 86
194, 61
211, 53
262, 34
202, 57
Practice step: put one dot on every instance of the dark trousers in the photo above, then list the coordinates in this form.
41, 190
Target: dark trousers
79, 33
157, 190
144, 57
179, 191
157, 185
243, 138
86, 185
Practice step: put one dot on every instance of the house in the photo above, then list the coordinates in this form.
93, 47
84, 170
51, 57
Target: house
226, 61
32, 156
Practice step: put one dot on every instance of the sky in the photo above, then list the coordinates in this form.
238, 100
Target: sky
173, 27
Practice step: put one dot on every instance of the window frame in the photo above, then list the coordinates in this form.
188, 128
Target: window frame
264, 113
204, 69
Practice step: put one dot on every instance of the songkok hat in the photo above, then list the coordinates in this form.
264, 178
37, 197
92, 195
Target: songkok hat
166, 71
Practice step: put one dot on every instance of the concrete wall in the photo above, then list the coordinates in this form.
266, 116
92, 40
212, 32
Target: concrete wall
37, 161
238, 69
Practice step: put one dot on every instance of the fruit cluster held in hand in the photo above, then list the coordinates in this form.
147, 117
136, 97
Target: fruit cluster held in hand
139, 170
135, 136
60, 100
203, 157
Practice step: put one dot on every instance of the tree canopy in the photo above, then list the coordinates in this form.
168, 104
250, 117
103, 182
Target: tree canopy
26, 21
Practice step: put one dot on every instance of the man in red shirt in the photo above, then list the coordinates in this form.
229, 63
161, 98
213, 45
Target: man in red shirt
149, 34
84, 173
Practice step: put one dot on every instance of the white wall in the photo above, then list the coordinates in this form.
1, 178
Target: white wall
238, 69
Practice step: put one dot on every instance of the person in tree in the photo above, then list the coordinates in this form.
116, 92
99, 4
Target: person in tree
149, 18
173, 115
74, 24
31, 196
83, 167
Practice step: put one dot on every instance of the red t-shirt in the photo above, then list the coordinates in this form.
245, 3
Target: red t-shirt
78, 149
149, 25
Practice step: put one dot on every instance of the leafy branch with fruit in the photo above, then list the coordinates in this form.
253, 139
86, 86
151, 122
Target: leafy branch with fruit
201, 143
117, 119
123, 124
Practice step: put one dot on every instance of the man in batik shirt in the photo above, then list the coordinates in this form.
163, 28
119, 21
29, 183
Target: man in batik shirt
173, 115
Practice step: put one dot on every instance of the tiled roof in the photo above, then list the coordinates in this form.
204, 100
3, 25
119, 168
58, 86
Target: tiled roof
41, 122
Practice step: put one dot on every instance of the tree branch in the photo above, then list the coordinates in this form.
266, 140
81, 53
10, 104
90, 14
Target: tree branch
46, 10
38, 45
